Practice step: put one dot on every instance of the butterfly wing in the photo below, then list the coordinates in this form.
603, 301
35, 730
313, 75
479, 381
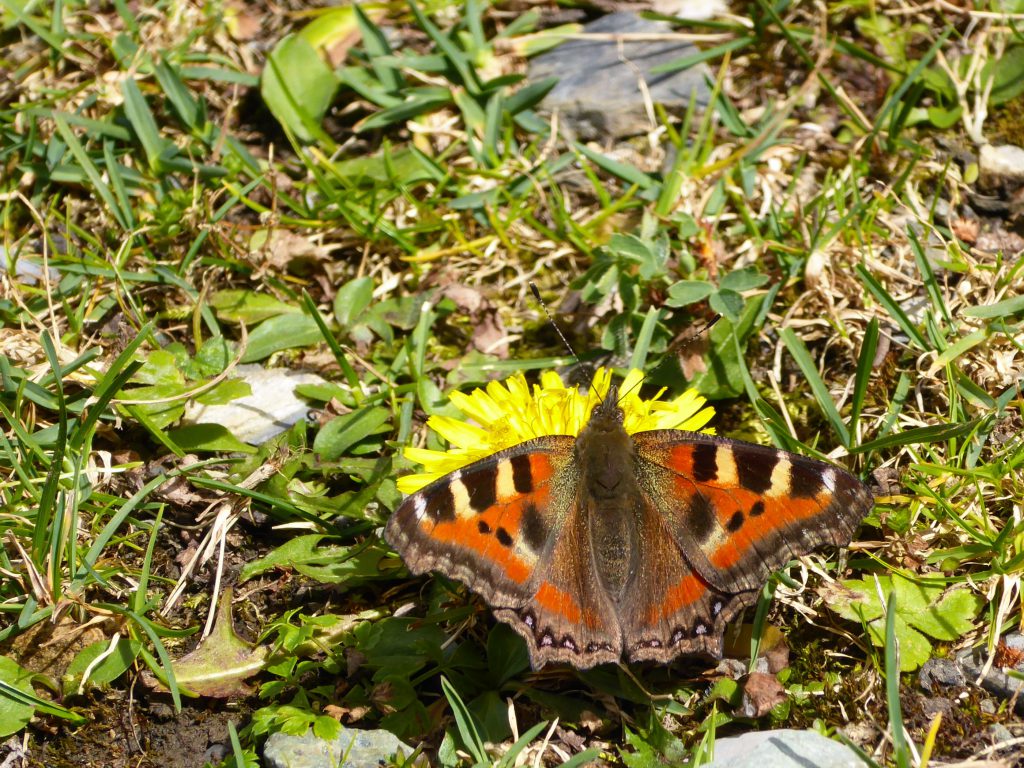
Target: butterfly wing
673, 610
739, 511
724, 515
512, 528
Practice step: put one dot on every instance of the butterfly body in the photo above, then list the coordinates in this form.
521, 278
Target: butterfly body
611, 545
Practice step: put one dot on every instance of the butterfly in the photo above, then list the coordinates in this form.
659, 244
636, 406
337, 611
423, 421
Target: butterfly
612, 545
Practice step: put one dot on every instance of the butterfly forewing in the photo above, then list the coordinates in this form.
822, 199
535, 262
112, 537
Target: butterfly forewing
739, 511
488, 523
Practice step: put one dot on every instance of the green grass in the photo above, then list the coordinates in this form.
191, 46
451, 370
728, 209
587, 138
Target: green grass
203, 204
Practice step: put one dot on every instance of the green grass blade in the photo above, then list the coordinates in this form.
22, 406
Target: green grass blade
88, 167
376, 45
628, 173
458, 59
924, 266
142, 121
893, 308
863, 375
892, 685
1004, 308
935, 433
643, 340
464, 721
819, 389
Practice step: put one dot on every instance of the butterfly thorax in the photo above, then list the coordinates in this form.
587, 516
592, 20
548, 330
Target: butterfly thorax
604, 452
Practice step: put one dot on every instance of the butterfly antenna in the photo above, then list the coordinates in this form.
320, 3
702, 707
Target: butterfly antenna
675, 347
558, 330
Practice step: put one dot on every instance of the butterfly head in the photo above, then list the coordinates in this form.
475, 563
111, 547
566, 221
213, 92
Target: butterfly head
607, 414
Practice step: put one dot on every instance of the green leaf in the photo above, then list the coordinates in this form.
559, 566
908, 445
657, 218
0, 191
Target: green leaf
351, 301
221, 663
342, 432
688, 292
210, 438
628, 173
281, 332
105, 672
248, 307
743, 280
14, 711
923, 610
727, 303
298, 86
332, 564
810, 371
1002, 308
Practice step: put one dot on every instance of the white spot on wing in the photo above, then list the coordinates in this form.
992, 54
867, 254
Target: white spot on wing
419, 508
726, 461
460, 496
781, 474
828, 479
504, 483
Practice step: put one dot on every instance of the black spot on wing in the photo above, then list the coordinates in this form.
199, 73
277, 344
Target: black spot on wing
534, 532
482, 488
804, 481
705, 462
700, 518
754, 468
483, 527
757, 509
441, 505
522, 476
735, 522
503, 537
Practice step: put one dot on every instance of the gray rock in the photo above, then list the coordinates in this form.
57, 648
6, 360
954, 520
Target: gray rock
598, 95
996, 681
1003, 161
784, 748
358, 748
936, 673
272, 407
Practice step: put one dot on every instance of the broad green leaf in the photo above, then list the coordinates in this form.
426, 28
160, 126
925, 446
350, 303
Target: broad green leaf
14, 712
727, 303
688, 292
281, 332
105, 672
351, 301
332, 564
210, 438
222, 662
248, 307
342, 432
227, 391
743, 280
923, 611
298, 86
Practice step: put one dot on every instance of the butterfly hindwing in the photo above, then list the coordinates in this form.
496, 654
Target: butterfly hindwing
569, 618
739, 511
674, 611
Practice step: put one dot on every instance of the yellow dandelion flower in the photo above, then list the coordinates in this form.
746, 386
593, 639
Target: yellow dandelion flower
510, 412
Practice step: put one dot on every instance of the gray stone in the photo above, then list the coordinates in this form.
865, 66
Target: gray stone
270, 409
1003, 161
599, 96
940, 672
784, 748
996, 681
358, 748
